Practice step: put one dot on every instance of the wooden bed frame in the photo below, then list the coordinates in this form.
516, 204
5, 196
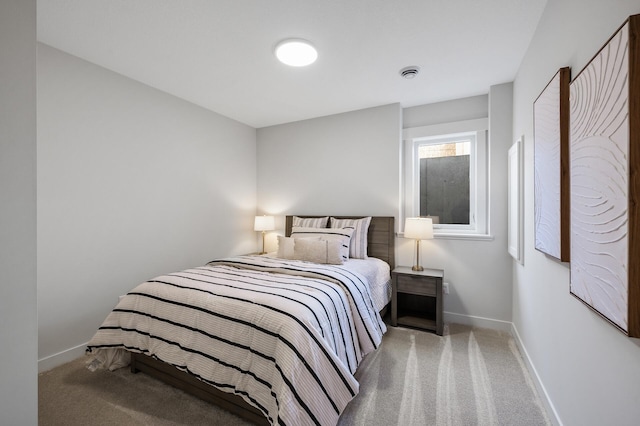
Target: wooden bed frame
381, 244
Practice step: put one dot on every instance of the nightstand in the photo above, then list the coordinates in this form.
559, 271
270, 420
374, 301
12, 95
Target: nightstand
416, 299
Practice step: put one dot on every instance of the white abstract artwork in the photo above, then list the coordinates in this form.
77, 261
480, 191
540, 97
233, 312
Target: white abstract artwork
514, 203
599, 170
551, 133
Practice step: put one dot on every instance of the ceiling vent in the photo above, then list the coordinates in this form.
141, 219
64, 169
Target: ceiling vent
409, 72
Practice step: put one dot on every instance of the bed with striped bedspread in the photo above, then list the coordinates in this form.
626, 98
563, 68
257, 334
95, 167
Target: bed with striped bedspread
284, 335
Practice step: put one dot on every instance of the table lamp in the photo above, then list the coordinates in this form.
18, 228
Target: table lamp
263, 224
418, 228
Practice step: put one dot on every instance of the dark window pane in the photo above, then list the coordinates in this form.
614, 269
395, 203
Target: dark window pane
444, 189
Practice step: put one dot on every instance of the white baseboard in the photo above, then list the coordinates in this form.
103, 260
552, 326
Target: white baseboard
542, 391
477, 321
52, 361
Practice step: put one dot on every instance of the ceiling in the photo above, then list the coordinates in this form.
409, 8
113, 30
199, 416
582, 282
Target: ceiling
219, 53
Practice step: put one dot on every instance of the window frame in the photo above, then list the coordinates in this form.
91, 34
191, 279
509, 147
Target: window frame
478, 176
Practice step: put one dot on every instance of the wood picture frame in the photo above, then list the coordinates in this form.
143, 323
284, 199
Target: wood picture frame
514, 203
604, 149
551, 167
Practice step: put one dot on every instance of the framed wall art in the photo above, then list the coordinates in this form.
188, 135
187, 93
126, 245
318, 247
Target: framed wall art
551, 167
514, 202
604, 154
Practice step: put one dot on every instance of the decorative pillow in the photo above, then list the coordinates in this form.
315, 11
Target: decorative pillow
311, 222
318, 251
342, 235
285, 247
359, 243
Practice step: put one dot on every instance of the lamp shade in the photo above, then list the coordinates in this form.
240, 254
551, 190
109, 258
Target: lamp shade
418, 228
264, 223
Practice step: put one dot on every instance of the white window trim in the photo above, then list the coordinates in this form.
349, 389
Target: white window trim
415, 145
409, 205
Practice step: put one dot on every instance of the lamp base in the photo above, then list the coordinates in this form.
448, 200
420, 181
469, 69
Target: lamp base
417, 266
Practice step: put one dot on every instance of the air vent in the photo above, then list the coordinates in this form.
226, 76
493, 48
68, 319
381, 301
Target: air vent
409, 72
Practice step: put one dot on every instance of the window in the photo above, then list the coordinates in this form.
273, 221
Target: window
445, 177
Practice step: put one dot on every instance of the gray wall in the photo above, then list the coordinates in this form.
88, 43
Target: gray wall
446, 112
589, 370
340, 164
18, 328
132, 183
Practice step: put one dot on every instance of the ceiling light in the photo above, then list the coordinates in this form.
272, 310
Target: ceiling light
410, 72
296, 52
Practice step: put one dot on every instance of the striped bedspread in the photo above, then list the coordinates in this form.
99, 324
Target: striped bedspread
286, 336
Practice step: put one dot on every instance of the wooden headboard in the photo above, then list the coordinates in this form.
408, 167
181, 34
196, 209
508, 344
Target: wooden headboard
381, 236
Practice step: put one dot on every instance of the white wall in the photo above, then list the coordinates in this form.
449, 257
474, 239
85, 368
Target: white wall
446, 112
478, 272
18, 328
343, 164
589, 370
132, 183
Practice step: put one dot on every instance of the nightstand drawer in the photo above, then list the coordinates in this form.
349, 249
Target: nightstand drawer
414, 284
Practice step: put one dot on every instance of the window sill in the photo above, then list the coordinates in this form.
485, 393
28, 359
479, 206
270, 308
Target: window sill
462, 236
458, 236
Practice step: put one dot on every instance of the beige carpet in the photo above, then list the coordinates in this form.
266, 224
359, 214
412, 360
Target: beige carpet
466, 377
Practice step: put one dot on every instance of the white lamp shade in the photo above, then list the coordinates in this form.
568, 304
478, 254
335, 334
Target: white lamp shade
264, 223
418, 228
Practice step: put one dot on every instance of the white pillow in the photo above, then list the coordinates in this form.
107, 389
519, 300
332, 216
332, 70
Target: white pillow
318, 251
285, 247
310, 222
342, 235
359, 242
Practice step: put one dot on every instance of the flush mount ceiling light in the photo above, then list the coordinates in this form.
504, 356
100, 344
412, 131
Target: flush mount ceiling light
296, 52
409, 72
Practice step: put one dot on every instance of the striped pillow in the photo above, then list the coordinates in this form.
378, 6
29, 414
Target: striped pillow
310, 222
342, 235
358, 246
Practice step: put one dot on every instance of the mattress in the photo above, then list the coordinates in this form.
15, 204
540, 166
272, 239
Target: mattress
378, 274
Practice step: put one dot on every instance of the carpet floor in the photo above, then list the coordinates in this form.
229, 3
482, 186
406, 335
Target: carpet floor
469, 376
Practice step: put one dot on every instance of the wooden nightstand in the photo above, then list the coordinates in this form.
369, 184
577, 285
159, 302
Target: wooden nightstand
416, 299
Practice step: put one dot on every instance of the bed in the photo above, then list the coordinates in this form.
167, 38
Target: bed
272, 339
